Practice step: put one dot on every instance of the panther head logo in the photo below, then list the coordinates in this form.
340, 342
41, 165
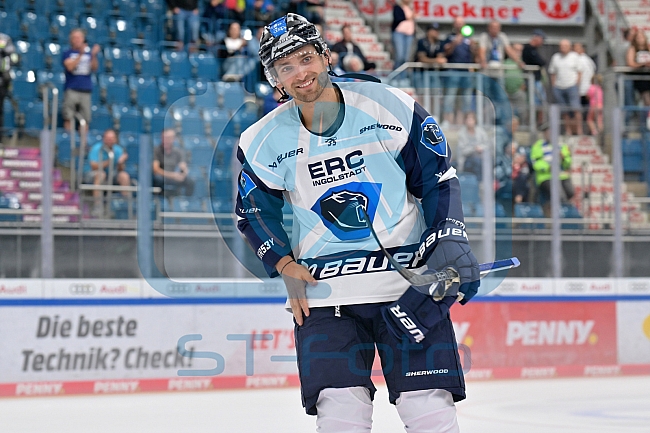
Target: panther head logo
344, 210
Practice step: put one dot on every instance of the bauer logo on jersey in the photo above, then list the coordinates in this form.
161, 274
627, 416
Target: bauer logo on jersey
340, 209
433, 138
246, 185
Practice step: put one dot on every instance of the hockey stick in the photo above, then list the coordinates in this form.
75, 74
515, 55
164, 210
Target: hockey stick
447, 275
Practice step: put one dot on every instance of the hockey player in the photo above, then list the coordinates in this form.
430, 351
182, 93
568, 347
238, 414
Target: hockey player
347, 157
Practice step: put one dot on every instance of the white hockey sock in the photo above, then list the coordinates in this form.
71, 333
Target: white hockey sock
344, 410
428, 411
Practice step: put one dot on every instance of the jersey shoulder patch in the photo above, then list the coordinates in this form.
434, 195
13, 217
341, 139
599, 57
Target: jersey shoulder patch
246, 185
432, 137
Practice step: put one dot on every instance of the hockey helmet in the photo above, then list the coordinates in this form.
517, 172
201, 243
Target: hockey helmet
284, 36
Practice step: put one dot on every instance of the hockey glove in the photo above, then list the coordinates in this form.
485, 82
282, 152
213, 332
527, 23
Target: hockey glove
414, 314
453, 250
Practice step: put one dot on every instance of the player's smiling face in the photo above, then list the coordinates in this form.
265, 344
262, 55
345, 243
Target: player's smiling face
303, 74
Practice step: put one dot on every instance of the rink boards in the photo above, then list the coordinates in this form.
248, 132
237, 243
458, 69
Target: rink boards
120, 336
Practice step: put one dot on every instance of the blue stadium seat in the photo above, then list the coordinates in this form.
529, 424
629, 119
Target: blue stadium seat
63, 151
154, 7
173, 89
9, 115
205, 66
193, 141
115, 89
127, 118
217, 121
121, 31
156, 119
126, 8
262, 90
34, 116
56, 78
201, 156
24, 85
101, 118
60, 26
9, 203
200, 186
96, 30
53, 59
187, 204
10, 24
148, 62
231, 95
145, 89
119, 61
31, 54
529, 210
469, 187
190, 120
202, 93
35, 27
570, 211
244, 119
131, 144
177, 64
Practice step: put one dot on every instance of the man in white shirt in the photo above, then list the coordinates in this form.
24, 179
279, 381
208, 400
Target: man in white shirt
588, 71
565, 70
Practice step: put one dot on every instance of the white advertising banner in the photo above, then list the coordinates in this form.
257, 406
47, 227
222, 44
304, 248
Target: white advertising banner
88, 342
536, 12
633, 328
526, 287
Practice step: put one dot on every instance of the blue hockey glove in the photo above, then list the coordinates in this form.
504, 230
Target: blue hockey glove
414, 314
453, 250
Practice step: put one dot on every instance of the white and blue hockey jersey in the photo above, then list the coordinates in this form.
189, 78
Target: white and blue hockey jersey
387, 157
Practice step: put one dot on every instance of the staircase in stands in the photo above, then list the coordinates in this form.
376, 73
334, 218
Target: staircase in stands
20, 176
340, 12
593, 179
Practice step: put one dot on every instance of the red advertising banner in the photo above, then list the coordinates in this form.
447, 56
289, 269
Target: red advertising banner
537, 334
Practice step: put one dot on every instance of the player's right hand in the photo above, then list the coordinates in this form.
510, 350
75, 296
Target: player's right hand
296, 277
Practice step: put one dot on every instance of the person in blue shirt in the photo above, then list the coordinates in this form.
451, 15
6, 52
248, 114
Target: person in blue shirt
458, 49
79, 61
101, 156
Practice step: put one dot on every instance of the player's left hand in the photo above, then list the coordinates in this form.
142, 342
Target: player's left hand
296, 277
454, 251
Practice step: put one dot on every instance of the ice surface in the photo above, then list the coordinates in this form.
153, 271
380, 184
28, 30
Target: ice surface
614, 405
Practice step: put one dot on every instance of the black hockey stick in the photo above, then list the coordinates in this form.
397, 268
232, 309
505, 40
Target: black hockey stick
447, 275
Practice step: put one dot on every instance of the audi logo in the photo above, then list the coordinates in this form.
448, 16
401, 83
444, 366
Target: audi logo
178, 288
82, 288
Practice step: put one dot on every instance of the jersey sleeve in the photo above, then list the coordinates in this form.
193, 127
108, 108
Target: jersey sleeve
260, 218
426, 160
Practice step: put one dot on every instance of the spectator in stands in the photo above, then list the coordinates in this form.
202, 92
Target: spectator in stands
494, 45
310, 9
638, 57
234, 50
429, 51
346, 48
215, 11
403, 29
595, 114
541, 157
185, 11
79, 61
515, 84
8, 58
530, 56
458, 49
170, 171
236, 10
263, 10
621, 60
107, 158
588, 72
512, 173
472, 142
566, 71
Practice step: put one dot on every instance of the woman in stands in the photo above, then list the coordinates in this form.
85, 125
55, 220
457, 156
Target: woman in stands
638, 57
